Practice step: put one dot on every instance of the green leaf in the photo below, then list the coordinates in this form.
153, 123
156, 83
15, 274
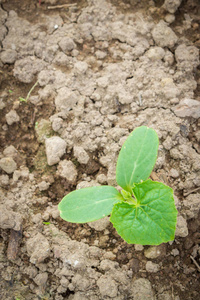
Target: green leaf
137, 157
152, 220
89, 204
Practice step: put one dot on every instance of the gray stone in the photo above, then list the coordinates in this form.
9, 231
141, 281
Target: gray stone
55, 148
10, 151
169, 18
164, 35
81, 155
187, 57
67, 44
192, 205
66, 99
67, 169
174, 173
2, 104
142, 290
156, 53
181, 227
187, 108
9, 219
26, 68
152, 267
8, 56
41, 279
38, 248
100, 225
4, 180
172, 5
80, 67
12, 117
138, 247
43, 185
107, 286
8, 165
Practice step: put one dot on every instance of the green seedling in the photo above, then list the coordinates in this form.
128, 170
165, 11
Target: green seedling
21, 99
46, 223
144, 211
10, 91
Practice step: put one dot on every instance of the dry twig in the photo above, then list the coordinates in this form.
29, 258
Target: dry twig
195, 262
62, 6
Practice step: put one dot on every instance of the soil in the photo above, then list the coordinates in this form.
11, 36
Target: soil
98, 70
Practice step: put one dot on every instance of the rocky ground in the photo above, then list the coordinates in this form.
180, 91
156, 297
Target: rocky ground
76, 78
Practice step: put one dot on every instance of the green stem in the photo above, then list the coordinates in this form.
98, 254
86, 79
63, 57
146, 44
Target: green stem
29, 93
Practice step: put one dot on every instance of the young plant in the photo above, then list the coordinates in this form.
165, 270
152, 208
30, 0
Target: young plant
144, 212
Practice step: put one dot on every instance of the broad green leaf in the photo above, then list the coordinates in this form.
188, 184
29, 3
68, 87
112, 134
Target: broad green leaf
137, 157
89, 204
152, 220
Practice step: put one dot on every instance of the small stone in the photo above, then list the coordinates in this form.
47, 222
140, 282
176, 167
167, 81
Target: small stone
175, 252
38, 248
138, 247
102, 179
2, 104
172, 5
187, 108
57, 124
154, 251
181, 227
67, 44
81, 155
169, 18
192, 205
174, 173
66, 99
152, 267
10, 151
164, 36
107, 286
8, 165
80, 67
41, 279
43, 186
12, 117
187, 57
100, 225
142, 289
67, 169
55, 148
4, 180
9, 219
8, 56
100, 54
156, 53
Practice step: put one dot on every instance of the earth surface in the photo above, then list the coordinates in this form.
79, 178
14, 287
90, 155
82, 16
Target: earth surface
76, 77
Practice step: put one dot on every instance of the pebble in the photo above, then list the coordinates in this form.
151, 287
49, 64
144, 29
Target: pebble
154, 251
100, 225
67, 169
181, 227
12, 117
188, 108
55, 148
81, 155
152, 267
38, 248
142, 289
8, 165
164, 36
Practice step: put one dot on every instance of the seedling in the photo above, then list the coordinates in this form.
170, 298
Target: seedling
21, 99
144, 211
